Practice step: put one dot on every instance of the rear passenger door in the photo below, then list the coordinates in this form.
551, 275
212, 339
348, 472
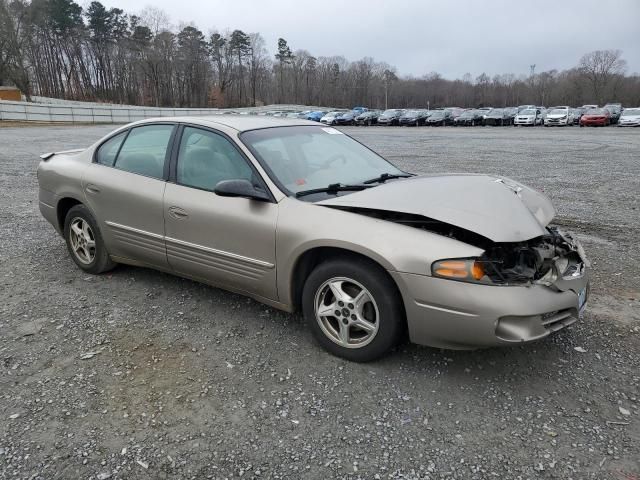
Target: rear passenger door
223, 240
124, 187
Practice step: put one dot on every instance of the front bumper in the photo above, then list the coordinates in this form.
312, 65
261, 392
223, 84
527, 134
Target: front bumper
462, 316
557, 122
593, 123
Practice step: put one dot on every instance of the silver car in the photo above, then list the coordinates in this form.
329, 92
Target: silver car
303, 218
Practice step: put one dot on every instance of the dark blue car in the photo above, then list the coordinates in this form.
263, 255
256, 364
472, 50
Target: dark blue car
347, 118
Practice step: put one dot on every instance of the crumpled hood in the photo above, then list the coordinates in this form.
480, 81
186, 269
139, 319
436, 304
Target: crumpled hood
497, 208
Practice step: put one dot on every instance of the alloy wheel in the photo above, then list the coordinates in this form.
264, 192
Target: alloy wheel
83, 241
346, 312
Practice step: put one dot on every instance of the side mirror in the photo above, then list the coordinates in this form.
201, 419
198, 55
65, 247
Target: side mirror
240, 188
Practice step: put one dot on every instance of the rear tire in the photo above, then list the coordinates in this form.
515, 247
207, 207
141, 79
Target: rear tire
84, 241
337, 320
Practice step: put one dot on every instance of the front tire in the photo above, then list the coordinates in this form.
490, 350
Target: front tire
84, 241
353, 309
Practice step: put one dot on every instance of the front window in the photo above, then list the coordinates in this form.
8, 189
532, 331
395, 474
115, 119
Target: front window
206, 158
595, 111
304, 158
528, 111
558, 111
631, 112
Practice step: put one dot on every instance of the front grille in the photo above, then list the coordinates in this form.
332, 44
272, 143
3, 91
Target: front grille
554, 321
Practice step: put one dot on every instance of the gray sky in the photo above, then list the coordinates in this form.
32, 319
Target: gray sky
417, 37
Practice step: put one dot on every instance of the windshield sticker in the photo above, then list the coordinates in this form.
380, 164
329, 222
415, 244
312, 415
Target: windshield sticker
333, 131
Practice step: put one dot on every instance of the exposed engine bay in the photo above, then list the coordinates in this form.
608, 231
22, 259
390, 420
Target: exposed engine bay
545, 260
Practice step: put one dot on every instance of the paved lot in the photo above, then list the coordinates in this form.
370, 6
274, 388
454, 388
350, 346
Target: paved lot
192, 382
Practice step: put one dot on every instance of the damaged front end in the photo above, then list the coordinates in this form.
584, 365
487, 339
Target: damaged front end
553, 259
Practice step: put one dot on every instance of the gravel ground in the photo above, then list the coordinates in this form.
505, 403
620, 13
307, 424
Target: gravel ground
138, 374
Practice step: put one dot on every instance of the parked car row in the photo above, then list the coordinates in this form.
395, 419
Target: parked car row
523, 115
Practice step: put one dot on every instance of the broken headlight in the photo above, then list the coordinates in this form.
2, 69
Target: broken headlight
542, 260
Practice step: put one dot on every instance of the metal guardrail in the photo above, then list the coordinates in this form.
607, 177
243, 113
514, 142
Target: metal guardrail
96, 113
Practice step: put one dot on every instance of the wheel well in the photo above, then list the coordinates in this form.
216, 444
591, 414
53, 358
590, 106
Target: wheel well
308, 261
64, 206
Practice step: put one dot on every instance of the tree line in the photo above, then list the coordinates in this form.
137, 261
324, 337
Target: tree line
56, 48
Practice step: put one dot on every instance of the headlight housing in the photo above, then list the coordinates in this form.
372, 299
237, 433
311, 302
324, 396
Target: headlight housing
461, 269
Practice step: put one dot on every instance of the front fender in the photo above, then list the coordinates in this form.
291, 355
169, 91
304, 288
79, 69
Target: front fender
303, 226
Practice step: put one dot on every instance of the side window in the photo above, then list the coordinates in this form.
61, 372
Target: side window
144, 150
107, 152
206, 158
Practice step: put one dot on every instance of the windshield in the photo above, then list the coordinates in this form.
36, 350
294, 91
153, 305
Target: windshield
411, 113
558, 111
304, 158
595, 111
437, 114
528, 111
389, 112
495, 112
631, 111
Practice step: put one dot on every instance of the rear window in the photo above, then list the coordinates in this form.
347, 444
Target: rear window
144, 150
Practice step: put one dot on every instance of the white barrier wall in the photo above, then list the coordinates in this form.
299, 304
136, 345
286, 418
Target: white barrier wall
92, 113
24, 111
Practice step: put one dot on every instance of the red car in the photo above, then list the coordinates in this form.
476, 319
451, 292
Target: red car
596, 117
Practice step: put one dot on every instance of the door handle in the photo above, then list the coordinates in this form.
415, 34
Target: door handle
91, 188
177, 213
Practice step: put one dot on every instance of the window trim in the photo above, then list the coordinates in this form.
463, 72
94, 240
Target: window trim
173, 164
128, 129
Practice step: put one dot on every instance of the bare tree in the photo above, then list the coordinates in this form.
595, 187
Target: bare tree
257, 63
155, 19
600, 68
12, 38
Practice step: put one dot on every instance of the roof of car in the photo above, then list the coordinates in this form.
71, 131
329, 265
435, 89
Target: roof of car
240, 123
